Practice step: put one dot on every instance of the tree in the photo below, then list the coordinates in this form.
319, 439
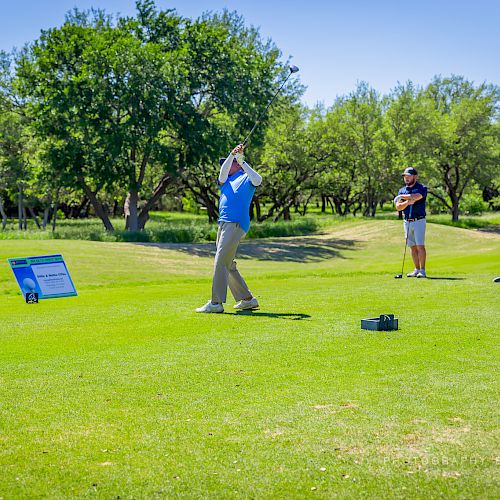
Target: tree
449, 132
233, 76
104, 102
461, 135
14, 143
288, 162
352, 149
153, 97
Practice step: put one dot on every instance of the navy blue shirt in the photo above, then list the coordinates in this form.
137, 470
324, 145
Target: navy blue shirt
418, 208
235, 197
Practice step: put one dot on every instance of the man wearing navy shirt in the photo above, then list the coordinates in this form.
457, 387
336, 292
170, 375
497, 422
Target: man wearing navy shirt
237, 182
411, 199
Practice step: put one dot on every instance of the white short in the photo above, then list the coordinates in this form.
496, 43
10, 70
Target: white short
416, 236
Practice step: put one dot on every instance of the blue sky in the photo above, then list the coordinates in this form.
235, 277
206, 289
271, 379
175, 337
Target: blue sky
335, 43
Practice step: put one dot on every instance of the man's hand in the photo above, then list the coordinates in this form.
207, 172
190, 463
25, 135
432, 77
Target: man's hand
240, 148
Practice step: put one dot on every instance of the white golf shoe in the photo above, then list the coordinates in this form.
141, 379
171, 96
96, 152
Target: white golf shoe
247, 304
413, 274
210, 308
421, 274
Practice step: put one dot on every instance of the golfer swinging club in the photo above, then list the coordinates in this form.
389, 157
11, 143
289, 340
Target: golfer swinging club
411, 199
237, 182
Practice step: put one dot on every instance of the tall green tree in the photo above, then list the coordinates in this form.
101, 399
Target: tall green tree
289, 165
153, 97
104, 101
461, 135
352, 147
448, 130
15, 143
233, 75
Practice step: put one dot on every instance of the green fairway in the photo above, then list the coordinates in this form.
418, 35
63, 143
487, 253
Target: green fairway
125, 392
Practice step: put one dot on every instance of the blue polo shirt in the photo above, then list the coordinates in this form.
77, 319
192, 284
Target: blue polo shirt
418, 209
235, 197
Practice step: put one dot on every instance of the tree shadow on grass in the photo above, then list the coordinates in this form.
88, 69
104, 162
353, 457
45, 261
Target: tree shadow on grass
494, 229
292, 316
305, 249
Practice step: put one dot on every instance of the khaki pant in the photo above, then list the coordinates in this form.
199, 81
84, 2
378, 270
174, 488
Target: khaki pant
229, 236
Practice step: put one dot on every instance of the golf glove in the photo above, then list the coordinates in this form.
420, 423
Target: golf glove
239, 158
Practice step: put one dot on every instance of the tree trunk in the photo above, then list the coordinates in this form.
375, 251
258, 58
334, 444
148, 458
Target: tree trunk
35, 218
306, 202
99, 209
126, 210
20, 207
257, 208
371, 206
132, 220
25, 219
46, 217
158, 192
4, 215
76, 212
212, 212
357, 209
323, 203
54, 218
455, 202
338, 206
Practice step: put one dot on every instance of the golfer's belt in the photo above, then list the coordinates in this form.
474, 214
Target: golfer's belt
416, 218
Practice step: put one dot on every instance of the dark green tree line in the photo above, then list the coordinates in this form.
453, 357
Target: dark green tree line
113, 115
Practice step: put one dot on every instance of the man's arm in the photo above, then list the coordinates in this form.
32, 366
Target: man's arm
404, 200
237, 153
224, 169
254, 177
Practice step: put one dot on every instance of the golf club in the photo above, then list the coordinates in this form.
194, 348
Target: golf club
293, 69
400, 276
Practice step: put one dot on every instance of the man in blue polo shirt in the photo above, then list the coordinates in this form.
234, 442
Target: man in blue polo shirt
411, 199
237, 182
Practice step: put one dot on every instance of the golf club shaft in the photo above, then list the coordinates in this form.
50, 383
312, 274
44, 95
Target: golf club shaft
265, 111
406, 241
404, 254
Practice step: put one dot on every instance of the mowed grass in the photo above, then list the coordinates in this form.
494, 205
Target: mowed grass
125, 392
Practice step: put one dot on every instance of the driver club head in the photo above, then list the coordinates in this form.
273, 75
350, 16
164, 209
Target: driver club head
398, 276
293, 69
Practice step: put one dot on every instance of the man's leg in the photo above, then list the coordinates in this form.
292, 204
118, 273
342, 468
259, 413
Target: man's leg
410, 241
237, 284
422, 255
415, 257
420, 226
227, 244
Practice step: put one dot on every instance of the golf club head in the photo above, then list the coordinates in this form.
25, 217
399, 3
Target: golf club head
398, 276
293, 69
